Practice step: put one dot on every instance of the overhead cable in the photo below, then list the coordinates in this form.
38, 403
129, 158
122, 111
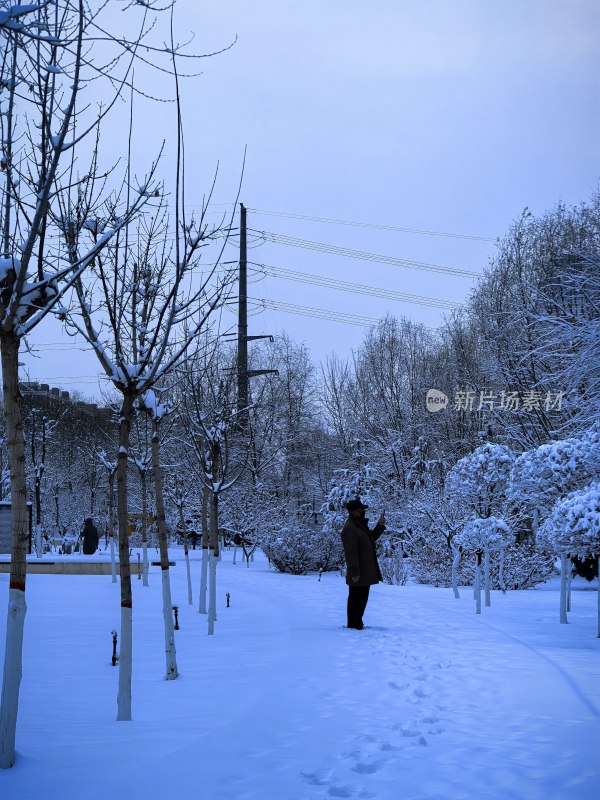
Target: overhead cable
334, 316
346, 286
375, 225
292, 241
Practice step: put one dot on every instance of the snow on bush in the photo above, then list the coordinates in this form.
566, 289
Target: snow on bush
573, 526
525, 565
479, 480
479, 535
541, 476
431, 562
293, 548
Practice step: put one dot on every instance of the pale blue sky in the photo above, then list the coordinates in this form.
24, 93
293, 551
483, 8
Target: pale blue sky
444, 116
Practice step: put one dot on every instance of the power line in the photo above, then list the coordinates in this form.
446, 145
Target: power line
333, 316
377, 226
331, 283
292, 241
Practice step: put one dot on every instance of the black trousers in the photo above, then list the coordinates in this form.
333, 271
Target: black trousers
358, 597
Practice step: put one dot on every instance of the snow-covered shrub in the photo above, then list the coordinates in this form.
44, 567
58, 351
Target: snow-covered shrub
525, 565
573, 529
542, 476
431, 560
573, 526
392, 561
295, 548
480, 537
479, 480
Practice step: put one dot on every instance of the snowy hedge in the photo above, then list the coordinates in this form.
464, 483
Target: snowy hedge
542, 476
573, 526
299, 548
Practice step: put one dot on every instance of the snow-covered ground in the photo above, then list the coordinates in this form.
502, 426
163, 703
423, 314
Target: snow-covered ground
429, 702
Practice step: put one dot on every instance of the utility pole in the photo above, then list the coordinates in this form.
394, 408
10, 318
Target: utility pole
242, 349
243, 373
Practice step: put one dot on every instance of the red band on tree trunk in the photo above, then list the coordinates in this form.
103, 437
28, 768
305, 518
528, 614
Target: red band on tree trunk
126, 605
17, 585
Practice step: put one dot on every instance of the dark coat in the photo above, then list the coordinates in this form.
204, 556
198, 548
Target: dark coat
90, 537
359, 549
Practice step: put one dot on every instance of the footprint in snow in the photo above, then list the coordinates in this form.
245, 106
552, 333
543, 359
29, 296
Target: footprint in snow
366, 769
340, 791
320, 778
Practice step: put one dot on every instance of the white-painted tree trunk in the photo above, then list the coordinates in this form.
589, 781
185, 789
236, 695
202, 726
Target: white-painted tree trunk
12, 676
189, 577
234, 559
170, 652
13, 654
477, 586
161, 526
455, 563
563, 589
205, 551
501, 572
212, 593
569, 581
113, 560
486, 577
203, 580
125, 666
145, 566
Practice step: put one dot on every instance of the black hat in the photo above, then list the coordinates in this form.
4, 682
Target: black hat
353, 505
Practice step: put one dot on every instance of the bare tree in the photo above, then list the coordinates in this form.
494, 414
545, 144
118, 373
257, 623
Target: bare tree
45, 62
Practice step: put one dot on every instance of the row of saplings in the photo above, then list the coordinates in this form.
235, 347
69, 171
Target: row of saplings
556, 486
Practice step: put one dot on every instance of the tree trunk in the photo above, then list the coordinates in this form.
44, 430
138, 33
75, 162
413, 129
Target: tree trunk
477, 586
501, 572
144, 527
205, 536
599, 597
233, 561
170, 651
13, 654
563, 589
569, 582
126, 656
111, 524
455, 562
214, 558
486, 577
186, 551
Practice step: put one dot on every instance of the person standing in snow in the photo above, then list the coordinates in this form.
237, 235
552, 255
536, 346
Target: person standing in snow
361, 560
90, 537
